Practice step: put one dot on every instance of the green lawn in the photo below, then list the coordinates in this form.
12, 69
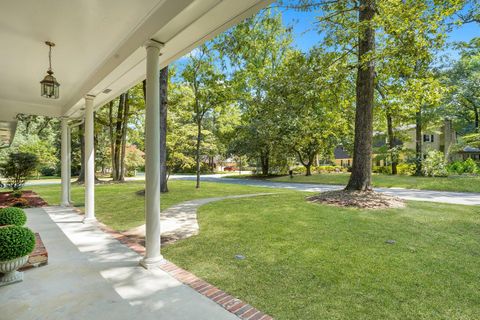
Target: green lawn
307, 261
453, 183
118, 205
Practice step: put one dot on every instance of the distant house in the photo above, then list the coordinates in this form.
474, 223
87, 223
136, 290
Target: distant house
441, 139
342, 157
467, 152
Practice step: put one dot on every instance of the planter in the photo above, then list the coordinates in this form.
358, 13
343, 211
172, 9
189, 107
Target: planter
9, 270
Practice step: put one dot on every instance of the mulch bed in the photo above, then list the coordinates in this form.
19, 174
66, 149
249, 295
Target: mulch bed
358, 199
31, 199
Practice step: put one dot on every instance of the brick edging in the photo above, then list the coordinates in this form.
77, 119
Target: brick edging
228, 302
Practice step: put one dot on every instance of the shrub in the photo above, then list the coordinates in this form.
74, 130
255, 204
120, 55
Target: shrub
299, 170
16, 194
470, 166
17, 168
15, 216
456, 167
382, 169
15, 242
20, 203
329, 169
434, 164
48, 171
406, 169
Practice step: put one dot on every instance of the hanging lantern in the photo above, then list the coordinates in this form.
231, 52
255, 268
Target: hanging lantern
49, 85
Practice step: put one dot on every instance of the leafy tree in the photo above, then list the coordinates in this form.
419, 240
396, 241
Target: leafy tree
254, 50
314, 103
463, 101
208, 92
17, 168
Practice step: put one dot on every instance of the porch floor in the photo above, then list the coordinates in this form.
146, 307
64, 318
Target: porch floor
91, 275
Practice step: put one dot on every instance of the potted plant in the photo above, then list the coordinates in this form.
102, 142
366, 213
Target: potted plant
15, 216
16, 243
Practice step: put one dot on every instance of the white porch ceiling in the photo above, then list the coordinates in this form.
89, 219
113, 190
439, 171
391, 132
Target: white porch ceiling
98, 45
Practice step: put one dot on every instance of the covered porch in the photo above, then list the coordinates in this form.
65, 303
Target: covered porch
102, 48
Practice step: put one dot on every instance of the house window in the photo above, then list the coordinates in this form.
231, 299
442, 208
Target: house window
428, 138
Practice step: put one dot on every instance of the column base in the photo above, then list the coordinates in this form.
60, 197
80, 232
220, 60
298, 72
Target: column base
89, 220
150, 263
66, 205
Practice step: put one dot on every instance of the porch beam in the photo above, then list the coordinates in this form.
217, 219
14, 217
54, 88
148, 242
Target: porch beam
152, 158
89, 161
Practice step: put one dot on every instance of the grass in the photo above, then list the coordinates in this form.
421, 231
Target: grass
118, 205
308, 261
452, 183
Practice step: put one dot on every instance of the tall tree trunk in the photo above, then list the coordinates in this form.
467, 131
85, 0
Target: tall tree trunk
197, 152
163, 129
308, 166
391, 143
110, 133
361, 176
81, 132
126, 111
418, 143
265, 162
118, 139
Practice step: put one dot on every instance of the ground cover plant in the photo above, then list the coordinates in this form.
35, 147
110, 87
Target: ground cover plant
312, 261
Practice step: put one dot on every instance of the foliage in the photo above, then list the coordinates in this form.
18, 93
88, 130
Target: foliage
434, 164
463, 100
254, 51
330, 169
382, 169
16, 194
313, 103
15, 216
17, 168
133, 159
209, 92
460, 167
44, 152
15, 242
406, 169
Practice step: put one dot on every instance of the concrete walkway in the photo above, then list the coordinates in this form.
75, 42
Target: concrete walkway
180, 221
463, 198
91, 275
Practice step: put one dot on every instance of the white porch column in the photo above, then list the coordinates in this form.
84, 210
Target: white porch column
64, 163
69, 166
152, 159
89, 161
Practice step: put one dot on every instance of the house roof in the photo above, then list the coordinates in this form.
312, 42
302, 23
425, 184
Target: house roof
340, 153
469, 149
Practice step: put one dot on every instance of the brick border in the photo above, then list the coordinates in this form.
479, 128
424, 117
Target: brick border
38, 257
228, 302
